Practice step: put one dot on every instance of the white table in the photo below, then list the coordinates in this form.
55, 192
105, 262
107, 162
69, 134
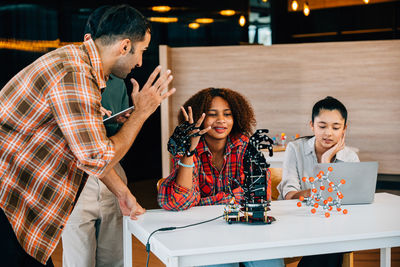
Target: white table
296, 232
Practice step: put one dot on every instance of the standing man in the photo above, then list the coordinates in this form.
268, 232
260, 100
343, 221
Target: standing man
93, 234
52, 134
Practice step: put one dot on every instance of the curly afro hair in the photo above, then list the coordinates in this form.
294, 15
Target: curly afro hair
243, 115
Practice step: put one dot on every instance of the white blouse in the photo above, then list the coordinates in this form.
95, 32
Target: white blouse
299, 162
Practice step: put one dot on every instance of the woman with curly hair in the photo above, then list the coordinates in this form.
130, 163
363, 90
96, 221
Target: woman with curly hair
205, 175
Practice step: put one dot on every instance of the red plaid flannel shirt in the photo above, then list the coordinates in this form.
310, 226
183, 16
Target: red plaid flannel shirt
210, 186
51, 132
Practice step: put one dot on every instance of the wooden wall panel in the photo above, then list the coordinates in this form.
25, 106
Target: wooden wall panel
284, 81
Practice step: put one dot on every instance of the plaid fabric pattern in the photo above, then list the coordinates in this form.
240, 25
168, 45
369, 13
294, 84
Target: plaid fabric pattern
210, 186
51, 133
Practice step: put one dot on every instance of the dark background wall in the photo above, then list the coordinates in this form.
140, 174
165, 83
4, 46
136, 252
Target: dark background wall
380, 21
65, 20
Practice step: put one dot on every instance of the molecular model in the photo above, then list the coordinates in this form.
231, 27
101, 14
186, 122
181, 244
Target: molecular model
316, 199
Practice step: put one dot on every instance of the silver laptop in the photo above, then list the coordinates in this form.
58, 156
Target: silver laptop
360, 180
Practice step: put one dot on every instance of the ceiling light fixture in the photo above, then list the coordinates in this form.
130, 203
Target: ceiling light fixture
306, 9
242, 21
295, 5
194, 25
163, 19
227, 12
366, 1
161, 8
204, 20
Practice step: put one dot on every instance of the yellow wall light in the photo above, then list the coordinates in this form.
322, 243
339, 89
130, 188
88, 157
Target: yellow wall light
306, 9
163, 19
295, 5
204, 20
227, 12
194, 25
242, 21
161, 8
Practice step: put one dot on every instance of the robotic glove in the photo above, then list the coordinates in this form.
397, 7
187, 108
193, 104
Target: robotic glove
179, 142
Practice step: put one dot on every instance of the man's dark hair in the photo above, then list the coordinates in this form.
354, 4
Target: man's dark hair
121, 22
94, 20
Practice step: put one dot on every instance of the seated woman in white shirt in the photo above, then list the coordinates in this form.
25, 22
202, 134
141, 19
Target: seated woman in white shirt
329, 125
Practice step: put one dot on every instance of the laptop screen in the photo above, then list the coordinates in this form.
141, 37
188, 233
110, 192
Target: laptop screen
360, 181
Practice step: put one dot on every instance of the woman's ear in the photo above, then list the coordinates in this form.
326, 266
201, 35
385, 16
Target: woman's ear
312, 126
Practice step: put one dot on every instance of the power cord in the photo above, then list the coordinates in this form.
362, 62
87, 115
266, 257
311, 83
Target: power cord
170, 229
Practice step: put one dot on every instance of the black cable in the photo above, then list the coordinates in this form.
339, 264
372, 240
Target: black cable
170, 229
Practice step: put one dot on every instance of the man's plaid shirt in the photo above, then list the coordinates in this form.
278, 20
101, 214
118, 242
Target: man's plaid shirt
210, 186
51, 133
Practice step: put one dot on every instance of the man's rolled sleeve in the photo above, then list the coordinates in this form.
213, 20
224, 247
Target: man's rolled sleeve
75, 104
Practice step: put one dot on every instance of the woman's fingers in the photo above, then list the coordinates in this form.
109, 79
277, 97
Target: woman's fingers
200, 120
340, 144
184, 114
205, 130
190, 114
344, 138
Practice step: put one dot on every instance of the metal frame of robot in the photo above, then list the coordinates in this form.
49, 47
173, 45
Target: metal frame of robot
255, 204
